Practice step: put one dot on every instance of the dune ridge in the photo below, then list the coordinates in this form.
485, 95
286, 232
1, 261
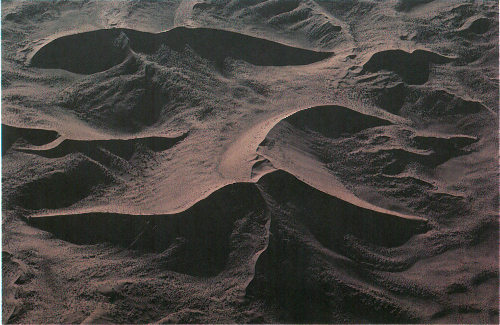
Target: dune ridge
56, 189
124, 148
201, 225
413, 68
198, 238
79, 53
307, 20
11, 134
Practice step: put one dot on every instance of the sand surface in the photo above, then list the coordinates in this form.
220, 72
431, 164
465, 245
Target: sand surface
257, 161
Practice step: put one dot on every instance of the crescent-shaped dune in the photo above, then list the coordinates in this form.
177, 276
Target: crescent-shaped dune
99, 50
413, 68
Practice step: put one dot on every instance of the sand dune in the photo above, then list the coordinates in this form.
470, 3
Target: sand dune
144, 85
270, 183
196, 241
330, 219
413, 68
123, 148
332, 121
250, 161
425, 106
96, 51
11, 134
14, 273
305, 18
179, 237
408, 5
86, 53
476, 25
56, 189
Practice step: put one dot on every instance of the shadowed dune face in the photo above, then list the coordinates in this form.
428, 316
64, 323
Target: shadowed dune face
196, 241
333, 121
408, 5
84, 53
156, 76
96, 149
91, 166
476, 26
308, 130
296, 17
378, 154
330, 219
304, 223
200, 240
11, 134
57, 189
308, 289
391, 98
96, 51
216, 45
479, 26
413, 68
425, 106
303, 297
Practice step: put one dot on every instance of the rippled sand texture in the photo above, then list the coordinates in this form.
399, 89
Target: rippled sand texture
259, 161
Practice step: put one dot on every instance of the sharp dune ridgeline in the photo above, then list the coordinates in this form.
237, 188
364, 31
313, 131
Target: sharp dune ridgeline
257, 161
96, 51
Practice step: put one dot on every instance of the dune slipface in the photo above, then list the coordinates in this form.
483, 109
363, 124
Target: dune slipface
96, 51
86, 53
123, 148
11, 134
330, 219
413, 67
57, 189
196, 241
301, 20
256, 161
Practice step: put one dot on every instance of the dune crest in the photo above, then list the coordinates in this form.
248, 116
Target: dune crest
124, 148
97, 51
413, 68
11, 134
196, 241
